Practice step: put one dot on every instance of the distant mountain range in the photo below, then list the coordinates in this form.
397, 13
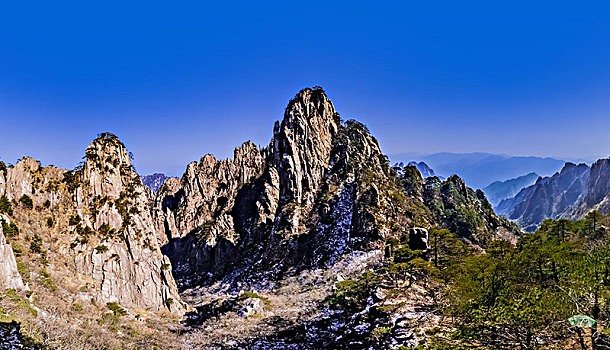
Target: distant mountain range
481, 169
154, 181
571, 194
499, 190
423, 168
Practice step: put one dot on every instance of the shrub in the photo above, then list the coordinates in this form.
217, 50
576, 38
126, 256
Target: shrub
169, 302
46, 204
26, 201
116, 309
5, 206
100, 249
17, 249
71, 181
10, 230
50, 222
23, 271
74, 220
45, 279
36, 244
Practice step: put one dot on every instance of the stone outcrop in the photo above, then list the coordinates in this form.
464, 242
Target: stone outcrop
9, 275
571, 193
302, 145
122, 256
458, 208
194, 214
110, 244
322, 189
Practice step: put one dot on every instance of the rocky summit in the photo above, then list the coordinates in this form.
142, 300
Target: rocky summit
250, 252
571, 193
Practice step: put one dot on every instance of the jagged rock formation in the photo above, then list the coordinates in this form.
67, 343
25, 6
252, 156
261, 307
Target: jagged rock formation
320, 190
466, 212
597, 194
109, 239
154, 181
499, 190
9, 275
319, 204
127, 264
549, 197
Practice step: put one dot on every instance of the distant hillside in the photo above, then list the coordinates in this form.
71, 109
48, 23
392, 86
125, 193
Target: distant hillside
423, 168
548, 198
481, 169
154, 181
499, 190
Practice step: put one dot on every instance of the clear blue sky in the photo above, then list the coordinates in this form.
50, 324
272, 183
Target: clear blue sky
177, 80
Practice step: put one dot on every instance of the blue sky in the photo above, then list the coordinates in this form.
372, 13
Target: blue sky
178, 80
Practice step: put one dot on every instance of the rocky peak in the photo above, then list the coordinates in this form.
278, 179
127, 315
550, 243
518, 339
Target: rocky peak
108, 166
598, 185
302, 143
18, 179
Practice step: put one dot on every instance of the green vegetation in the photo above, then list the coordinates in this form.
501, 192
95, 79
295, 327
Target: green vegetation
23, 271
26, 201
36, 244
74, 220
17, 249
45, 279
248, 295
71, 180
10, 230
18, 301
511, 295
5, 206
100, 249
50, 222
116, 309
46, 204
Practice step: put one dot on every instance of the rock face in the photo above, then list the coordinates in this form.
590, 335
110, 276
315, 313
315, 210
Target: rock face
195, 213
110, 244
9, 275
549, 197
499, 190
154, 181
597, 194
321, 189
458, 208
123, 256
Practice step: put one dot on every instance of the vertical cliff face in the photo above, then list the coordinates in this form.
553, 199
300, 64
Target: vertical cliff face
548, 198
194, 214
321, 190
598, 186
302, 145
9, 274
116, 244
94, 224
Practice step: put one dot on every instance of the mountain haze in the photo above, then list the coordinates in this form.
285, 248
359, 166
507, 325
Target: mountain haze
481, 169
499, 190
